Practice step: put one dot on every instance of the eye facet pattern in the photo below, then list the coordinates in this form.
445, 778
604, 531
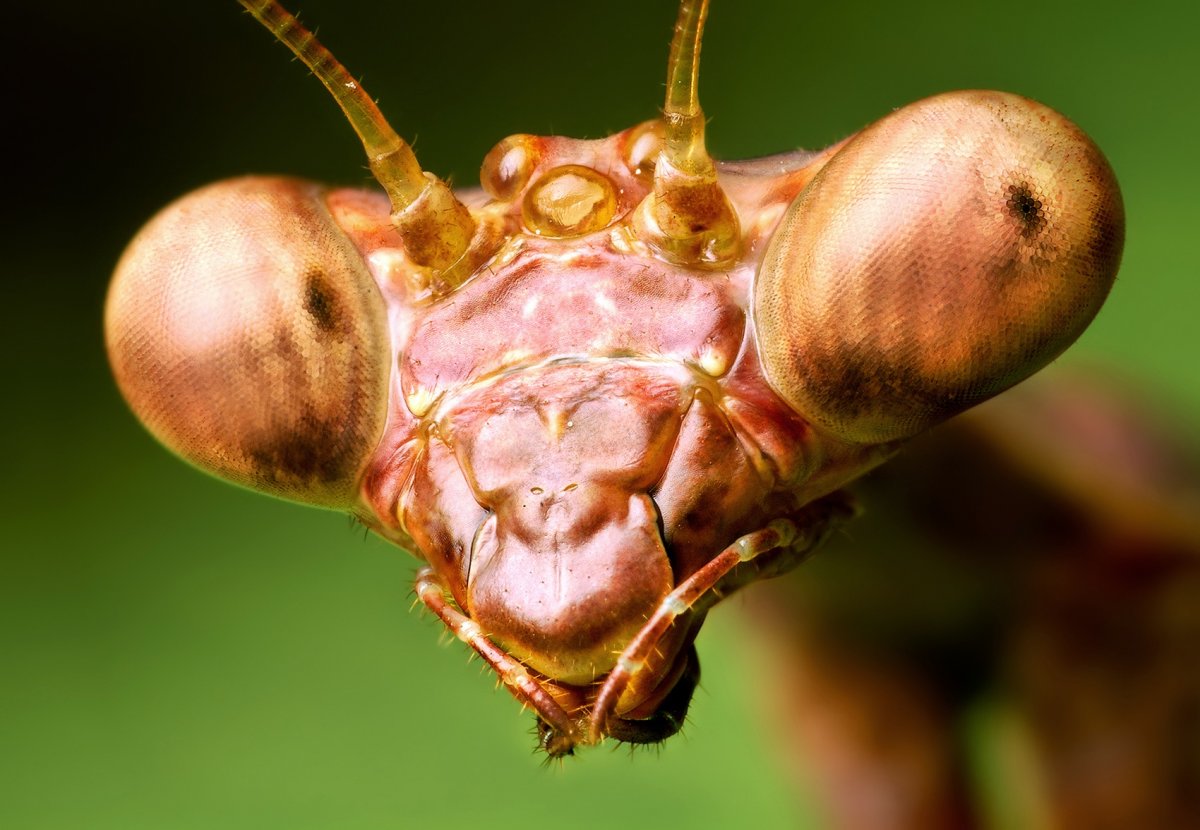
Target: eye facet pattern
944, 254
246, 333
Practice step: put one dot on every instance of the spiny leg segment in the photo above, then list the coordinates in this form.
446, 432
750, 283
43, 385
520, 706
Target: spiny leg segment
778, 534
437, 229
522, 685
697, 592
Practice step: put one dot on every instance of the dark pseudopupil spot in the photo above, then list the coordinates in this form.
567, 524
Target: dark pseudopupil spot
319, 300
302, 455
1025, 206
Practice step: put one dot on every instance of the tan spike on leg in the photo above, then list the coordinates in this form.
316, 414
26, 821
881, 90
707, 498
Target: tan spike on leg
687, 218
516, 678
436, 228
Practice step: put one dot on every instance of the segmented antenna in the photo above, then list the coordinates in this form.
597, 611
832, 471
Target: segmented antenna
684, 119
687, 218
436, 227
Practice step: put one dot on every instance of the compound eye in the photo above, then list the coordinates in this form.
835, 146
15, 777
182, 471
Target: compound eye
507, 166
248, 336
947, 252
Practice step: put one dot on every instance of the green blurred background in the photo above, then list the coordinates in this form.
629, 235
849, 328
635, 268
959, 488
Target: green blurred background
180, 654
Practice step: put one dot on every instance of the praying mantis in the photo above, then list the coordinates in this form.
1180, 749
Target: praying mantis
621, 381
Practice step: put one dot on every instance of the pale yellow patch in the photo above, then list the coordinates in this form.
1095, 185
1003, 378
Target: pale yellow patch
556, 422
419, 400
714, 363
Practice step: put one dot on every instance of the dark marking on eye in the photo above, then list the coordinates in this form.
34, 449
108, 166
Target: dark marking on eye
1107, 237
320, 300
1026, 206
311, 451
858, 385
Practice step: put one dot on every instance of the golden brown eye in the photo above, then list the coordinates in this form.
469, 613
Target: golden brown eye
947, 252
246, 333
642, 147
507, 166
569, 201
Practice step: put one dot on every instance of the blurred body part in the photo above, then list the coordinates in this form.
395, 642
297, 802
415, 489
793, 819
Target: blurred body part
1010, 635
